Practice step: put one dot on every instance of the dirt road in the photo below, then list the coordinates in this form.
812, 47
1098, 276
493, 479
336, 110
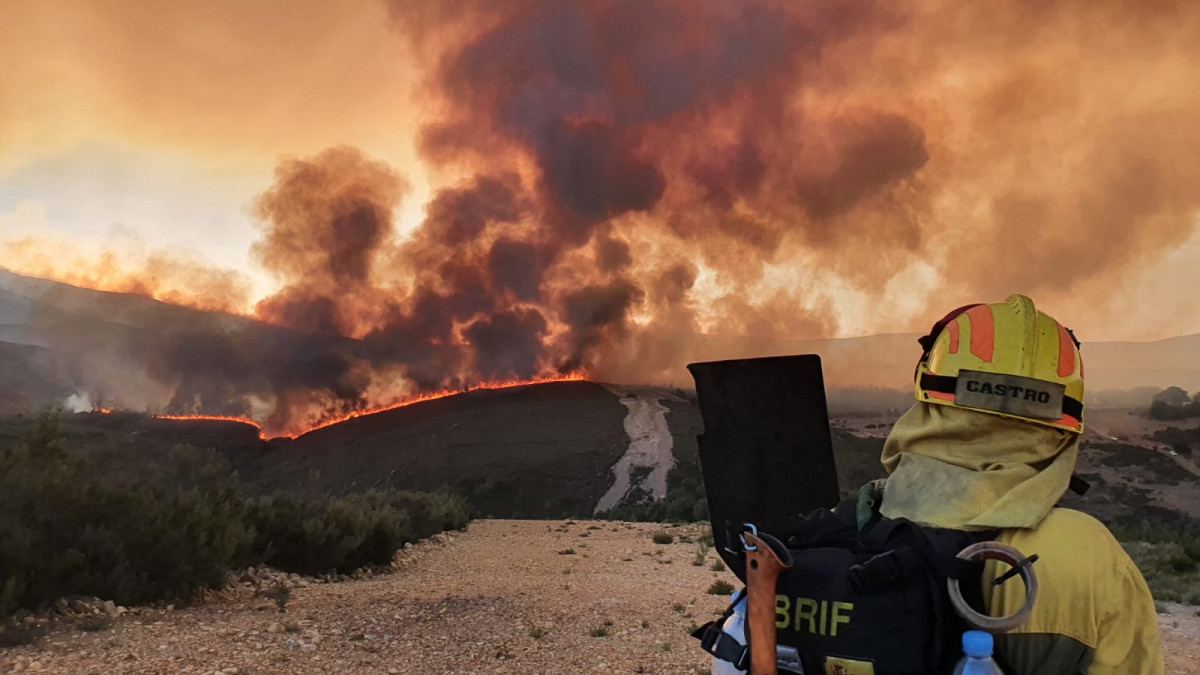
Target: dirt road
650, 445
506, 597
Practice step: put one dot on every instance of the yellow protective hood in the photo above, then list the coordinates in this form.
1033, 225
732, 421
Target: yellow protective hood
955, 468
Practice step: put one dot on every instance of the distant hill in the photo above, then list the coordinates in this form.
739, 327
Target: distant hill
549, 450
532, 451
128, 351
119, 350
887, 361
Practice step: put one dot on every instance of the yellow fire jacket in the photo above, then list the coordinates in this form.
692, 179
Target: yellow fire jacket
973, 471
1094, 614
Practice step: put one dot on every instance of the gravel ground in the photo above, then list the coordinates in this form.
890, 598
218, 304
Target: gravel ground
505, 597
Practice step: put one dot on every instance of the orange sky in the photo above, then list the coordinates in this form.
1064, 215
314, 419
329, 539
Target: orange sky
148, 130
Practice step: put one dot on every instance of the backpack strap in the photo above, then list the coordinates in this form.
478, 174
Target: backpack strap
714, 640
911, 550
907, 561
870, 499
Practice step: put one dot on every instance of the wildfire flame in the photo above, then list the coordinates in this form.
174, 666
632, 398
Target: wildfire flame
507, 384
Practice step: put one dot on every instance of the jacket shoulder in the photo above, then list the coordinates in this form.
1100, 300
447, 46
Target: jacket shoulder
1080, 569
1092, 597
1074, 536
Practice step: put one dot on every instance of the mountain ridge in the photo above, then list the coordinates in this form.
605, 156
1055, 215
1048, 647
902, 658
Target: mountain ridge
95, 340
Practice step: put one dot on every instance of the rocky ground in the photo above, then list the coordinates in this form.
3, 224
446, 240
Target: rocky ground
507, 596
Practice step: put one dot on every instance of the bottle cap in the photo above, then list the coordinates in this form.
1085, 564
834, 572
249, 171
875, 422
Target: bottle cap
739, 603
977, 643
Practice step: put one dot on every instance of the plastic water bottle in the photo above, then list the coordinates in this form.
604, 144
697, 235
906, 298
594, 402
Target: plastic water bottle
735, 625
977, 655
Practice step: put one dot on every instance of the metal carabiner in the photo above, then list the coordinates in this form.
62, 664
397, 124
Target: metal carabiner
753, 530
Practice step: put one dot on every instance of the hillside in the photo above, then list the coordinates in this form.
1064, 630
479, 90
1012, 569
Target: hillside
534, 451
538, 450
552, 450
126, 351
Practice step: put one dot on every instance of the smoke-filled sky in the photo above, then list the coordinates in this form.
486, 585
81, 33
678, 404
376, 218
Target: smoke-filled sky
481, 190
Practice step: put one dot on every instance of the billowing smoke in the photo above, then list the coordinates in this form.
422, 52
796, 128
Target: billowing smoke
324, 222
640, 184
789, 170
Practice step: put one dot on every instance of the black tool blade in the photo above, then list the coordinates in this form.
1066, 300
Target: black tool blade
766, 450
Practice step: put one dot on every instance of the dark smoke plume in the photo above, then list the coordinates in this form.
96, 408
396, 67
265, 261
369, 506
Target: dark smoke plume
648, 183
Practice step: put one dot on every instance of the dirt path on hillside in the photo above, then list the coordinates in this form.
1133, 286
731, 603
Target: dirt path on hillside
650, 445
504, 598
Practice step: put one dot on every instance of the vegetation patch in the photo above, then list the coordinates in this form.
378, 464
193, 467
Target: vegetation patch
15, 634
1174, 403
93, 623
720, 587
1171, 569
71, 529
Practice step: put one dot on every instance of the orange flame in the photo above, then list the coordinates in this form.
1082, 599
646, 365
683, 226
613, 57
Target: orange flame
508, 384
102, 411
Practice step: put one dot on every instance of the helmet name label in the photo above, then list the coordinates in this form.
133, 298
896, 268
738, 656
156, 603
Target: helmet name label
1009, 394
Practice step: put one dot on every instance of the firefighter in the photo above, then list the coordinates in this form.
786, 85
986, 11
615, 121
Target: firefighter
991, 444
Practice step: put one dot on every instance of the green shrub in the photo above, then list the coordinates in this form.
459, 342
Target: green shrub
13, 634
93, 623
1182, 563
663, 538
179, 526
66, 532
316, 534
1191, 548
1171, 575
430, 513
280, 592
720, 587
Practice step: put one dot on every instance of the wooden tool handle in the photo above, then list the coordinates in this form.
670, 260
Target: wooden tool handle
763, 567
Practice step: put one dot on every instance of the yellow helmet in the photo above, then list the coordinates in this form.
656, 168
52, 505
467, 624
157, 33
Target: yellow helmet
1007, 359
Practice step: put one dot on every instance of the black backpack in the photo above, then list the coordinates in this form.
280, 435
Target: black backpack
853, 597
